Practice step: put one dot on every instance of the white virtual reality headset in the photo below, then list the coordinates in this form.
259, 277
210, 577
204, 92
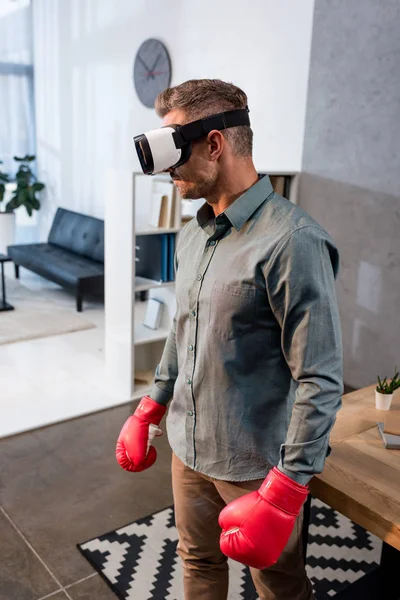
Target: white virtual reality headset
171, 146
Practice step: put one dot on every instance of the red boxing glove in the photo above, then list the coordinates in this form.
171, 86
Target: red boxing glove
257, 526
134, 451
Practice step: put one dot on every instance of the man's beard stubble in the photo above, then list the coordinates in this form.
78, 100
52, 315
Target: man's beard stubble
205, 189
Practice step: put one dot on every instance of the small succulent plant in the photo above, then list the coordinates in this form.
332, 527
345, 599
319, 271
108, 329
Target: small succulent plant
385, 387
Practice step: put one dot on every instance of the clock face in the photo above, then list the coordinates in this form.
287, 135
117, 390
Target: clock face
151, 71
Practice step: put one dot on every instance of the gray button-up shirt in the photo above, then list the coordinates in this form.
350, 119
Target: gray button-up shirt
253, 360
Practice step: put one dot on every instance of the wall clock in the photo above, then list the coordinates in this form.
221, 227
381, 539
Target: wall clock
151, 71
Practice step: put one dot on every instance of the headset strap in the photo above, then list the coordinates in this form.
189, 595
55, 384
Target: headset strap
198, 129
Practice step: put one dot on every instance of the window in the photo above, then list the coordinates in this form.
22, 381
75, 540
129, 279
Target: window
17, 131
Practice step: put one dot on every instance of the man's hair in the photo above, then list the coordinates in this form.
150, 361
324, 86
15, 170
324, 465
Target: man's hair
201, 98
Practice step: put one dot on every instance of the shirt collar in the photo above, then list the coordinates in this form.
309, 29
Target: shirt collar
243, 207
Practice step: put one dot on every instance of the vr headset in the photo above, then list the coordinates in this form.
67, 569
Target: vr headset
171, 146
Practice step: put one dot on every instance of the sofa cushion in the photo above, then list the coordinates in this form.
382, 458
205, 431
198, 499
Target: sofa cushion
67, 268
78, 233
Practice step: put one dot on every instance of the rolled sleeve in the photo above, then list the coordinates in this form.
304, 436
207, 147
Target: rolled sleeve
301, 288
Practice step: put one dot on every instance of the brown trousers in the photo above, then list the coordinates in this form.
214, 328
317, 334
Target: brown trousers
198, 501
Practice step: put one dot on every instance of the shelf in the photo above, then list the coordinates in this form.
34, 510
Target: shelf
140, 390
142, 284
144, 335
156, 230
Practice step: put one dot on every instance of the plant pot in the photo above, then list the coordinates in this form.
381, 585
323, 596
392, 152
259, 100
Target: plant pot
24, 220
7, 231
383, 401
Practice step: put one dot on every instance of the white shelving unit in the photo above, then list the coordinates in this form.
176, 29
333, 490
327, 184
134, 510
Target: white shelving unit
130, 347
154, 230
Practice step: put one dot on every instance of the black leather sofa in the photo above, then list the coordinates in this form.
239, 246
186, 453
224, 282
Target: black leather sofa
73, 256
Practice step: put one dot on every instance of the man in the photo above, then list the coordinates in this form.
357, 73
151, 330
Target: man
252, 364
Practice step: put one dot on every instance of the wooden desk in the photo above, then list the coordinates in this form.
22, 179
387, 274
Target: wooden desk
361, 480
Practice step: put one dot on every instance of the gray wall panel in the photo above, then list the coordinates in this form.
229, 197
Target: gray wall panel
350, 179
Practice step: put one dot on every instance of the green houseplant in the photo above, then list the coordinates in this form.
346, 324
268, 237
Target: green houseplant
384, 391
27, 186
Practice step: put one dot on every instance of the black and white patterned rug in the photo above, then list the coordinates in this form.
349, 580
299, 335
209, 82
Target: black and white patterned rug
139, 561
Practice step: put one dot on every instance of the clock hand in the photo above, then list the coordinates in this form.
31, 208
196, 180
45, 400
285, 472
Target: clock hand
145, 66
156, 61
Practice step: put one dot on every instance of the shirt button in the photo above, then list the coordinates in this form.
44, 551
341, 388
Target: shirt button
212, 243
190, 413
190, 347
193, 313
188, 381
199, 277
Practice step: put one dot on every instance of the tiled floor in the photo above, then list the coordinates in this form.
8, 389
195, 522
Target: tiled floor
61, 485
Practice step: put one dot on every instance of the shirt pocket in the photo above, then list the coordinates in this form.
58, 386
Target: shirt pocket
232, 310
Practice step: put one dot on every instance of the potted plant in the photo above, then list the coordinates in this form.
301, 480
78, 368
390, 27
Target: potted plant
7, 217
27, 186
384, 391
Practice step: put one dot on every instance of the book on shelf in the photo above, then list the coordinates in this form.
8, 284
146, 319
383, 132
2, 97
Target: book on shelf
152, 318
164, 257
174, 205
171, 256
165, 213
163, 204
155, 257
390, 440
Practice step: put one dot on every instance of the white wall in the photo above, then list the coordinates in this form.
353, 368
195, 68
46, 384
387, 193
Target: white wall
88, 110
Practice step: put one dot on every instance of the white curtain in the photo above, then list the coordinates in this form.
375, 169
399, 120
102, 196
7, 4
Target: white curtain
17, 131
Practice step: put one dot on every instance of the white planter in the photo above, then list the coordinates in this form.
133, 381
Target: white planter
7, 231
22, 217
24, 220
383, 401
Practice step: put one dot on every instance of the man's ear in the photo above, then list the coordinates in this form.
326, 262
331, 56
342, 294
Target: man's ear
215, 144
